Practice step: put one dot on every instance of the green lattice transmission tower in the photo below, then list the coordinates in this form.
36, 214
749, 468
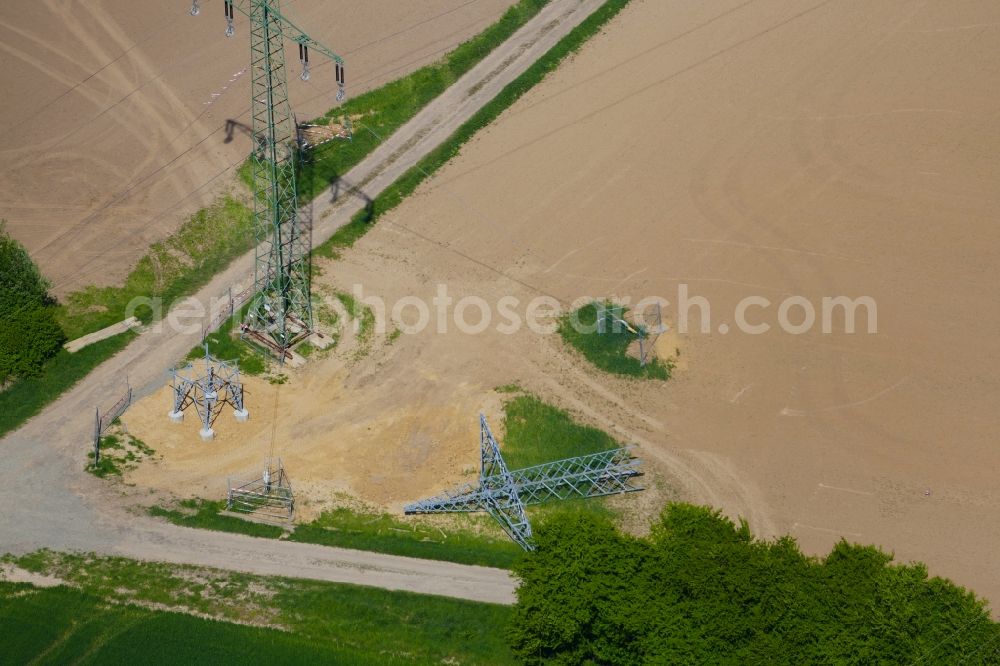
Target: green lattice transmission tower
280, 312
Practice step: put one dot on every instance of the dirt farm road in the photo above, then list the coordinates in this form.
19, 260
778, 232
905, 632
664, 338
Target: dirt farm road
51, 503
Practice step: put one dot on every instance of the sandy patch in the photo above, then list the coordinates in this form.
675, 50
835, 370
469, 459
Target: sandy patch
15, 574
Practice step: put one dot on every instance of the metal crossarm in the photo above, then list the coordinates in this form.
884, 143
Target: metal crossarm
293, 31
504, 494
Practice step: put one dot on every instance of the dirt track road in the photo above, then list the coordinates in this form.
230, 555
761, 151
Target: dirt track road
50, 502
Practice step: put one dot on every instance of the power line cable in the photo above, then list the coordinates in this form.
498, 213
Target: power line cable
46, 105
118, 197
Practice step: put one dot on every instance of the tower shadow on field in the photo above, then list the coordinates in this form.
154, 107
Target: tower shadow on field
234, 125
341, 188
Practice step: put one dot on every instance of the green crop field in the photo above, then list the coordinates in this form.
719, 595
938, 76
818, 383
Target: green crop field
115, 614
65, 626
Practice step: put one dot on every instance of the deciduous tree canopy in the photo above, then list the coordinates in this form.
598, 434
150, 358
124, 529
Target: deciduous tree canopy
701, 589
29, 333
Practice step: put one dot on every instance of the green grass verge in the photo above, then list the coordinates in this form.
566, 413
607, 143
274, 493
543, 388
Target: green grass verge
204, 514
225, 345
322, 622
539, 433
408, 182
361, 530
383, 533
378, 113
30, 395
606, 346
172, 269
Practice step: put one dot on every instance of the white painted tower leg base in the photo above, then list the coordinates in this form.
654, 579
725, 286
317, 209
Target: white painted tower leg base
241, 415
176, 417
207, 434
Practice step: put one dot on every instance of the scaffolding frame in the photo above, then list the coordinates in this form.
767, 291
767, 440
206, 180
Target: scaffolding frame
208, 389
268, 495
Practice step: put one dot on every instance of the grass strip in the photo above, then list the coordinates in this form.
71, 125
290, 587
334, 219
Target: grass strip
28, 396
391, 106
172, 269
360, 530
384, 533
204, 514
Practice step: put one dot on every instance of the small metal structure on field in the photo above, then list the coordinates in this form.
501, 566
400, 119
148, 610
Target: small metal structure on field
504, 494
647, 326
268, 495
103, 422
208, 385
652, 328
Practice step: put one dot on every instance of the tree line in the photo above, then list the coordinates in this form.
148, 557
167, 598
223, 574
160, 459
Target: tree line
29, 331
701, 589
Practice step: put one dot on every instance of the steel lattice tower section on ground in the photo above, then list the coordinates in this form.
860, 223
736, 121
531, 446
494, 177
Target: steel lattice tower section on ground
504, 494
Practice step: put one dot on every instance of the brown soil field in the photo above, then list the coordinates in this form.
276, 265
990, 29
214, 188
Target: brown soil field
114, 114
771, 148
